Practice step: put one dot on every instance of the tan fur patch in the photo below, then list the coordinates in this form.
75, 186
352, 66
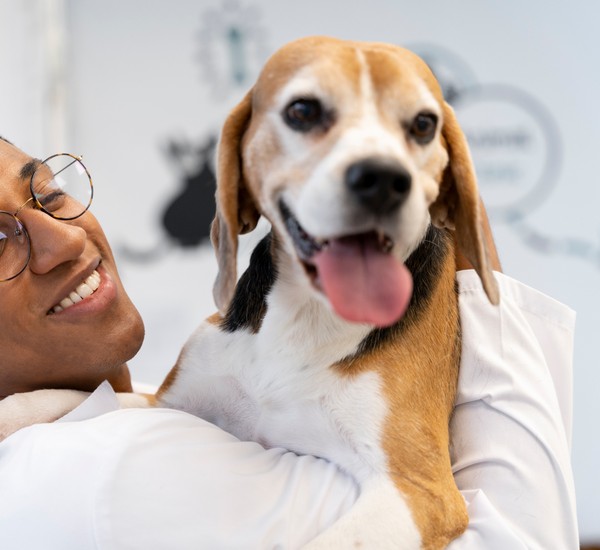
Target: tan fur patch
420, 374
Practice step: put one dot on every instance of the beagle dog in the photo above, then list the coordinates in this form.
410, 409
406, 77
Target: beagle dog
342, 338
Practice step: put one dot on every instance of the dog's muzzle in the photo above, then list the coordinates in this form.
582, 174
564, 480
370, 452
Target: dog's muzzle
360, 277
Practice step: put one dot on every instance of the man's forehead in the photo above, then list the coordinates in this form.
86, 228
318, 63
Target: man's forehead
14, 163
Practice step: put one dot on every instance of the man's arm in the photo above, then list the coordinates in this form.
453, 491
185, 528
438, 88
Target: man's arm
510, 430
160, 478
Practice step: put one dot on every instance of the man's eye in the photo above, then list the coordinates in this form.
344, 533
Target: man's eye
304, 114
423, 128
52, 201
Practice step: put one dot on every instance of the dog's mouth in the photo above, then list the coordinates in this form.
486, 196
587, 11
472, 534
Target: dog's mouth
358, 274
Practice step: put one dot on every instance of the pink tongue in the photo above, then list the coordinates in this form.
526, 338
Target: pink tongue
362, 283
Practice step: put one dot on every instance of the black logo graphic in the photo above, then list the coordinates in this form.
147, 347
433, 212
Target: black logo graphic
187, 218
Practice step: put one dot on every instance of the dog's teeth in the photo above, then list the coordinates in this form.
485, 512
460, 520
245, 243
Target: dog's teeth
385, 243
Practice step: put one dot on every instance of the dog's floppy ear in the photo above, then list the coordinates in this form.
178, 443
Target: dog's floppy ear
236, 212
457, 205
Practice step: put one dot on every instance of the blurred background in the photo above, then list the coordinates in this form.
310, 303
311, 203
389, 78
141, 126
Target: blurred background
140, 89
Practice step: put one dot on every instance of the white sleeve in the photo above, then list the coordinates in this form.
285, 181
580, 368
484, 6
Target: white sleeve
511, 427
156, 478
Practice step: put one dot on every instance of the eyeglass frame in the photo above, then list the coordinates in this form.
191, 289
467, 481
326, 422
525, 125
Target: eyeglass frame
38, 205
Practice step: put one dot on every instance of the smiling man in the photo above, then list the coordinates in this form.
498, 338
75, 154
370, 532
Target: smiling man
48, 261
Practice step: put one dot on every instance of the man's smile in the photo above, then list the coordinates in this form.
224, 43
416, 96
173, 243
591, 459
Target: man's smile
79, 293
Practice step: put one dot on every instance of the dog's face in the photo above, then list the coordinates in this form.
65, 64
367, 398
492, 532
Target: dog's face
341, 146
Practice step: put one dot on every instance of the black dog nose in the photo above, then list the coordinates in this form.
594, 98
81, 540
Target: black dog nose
379, 185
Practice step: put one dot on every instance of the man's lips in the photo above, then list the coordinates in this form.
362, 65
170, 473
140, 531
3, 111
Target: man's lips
82, 291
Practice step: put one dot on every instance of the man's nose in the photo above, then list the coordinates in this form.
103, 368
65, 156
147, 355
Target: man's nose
53, 242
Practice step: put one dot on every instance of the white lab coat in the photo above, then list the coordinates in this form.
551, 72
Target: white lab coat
158, 479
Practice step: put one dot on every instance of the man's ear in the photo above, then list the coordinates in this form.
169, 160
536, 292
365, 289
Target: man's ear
236, 212
457, 205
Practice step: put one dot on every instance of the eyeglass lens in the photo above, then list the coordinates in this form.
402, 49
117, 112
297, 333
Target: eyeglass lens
14, 247
62, 187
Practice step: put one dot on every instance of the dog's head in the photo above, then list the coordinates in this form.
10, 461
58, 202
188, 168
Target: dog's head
350, 151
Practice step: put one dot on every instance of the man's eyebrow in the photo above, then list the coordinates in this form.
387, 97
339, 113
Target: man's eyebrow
29, 168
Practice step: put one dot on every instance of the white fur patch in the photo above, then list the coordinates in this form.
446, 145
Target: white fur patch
380, 519
277, 387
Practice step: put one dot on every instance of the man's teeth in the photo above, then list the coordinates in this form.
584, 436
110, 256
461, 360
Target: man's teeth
85, 289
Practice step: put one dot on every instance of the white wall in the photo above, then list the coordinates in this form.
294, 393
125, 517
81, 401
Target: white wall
141, 73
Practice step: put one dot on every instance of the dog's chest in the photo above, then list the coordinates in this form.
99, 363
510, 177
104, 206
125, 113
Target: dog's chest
264, 388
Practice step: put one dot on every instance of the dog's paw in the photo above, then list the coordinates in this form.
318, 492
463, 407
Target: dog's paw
25, 409
136, 400
380, 518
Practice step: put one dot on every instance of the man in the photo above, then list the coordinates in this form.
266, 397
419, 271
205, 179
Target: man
156, 478
72, 346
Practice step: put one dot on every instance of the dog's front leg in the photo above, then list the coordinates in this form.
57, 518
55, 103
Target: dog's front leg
380, 518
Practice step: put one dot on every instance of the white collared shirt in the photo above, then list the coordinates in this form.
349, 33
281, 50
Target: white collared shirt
158, 479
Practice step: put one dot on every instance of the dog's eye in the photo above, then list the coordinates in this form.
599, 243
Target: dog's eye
304, 114
423, 127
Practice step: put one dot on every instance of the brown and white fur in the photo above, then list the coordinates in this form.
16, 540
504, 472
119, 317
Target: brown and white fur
278, 364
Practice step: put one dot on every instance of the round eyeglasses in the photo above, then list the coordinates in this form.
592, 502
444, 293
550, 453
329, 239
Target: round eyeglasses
61, 187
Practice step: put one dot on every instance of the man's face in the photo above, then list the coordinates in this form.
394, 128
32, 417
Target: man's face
83, 344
